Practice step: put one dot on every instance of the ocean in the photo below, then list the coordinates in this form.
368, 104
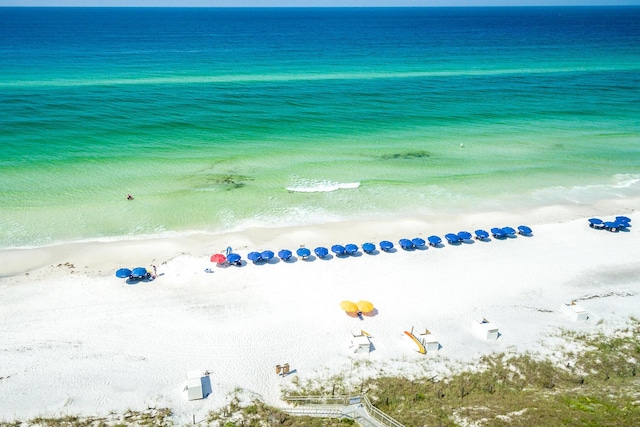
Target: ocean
221, 119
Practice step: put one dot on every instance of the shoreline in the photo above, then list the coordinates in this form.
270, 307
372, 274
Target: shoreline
100, 344
199, 243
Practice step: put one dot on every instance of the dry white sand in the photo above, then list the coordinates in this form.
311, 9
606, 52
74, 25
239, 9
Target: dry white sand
74, 339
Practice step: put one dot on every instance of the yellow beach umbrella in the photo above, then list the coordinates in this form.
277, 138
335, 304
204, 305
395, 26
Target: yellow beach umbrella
365, 306
349, 306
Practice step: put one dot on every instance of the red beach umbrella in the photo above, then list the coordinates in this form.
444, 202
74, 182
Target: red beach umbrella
218, 258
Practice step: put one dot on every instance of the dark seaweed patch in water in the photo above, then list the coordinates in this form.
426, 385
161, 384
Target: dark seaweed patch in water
410, 155
228, 181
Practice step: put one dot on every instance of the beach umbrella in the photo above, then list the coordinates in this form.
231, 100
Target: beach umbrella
623, 221
139, 272
464, 235
351, 248
612, 226
508, 230
418, 242
386, 245
218, 258
452, 238
254, 256
321, 251
405, 243
368, 247
349, 306
233, 258
497, 232
338, 250
365, 306
434, 240
123, 273
285, 254
303, 252
524, 230
267, 255
481, 234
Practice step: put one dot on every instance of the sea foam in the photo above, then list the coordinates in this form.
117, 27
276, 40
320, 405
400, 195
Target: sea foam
321, 186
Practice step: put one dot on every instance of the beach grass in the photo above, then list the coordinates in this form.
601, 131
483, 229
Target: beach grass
592, 381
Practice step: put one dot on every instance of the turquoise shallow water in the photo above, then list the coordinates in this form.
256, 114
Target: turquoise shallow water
219, 119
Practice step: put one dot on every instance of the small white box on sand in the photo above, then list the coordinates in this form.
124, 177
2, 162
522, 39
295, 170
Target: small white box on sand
430, 342
486, 329
194, 389
576, 312
361, 344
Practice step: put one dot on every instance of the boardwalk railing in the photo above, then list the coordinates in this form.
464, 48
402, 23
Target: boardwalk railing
329, 406
378, 415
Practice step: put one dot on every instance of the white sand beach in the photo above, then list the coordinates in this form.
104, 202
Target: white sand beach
74, 339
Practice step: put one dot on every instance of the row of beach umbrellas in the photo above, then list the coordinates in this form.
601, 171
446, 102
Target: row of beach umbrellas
620, 223
368, 247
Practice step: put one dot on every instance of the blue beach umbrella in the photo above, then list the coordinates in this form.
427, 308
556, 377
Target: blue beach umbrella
234, 258
464, 235
139, 272
452, 238
303, 252
321, 251
612, 226
386, 245
267, 255
621, 219
254, 256
524, 230
596, 223
481, 234
338, 250
123, 273
351, 248
434, 240
508, 231
285, 254
418, 242
498, 233
368, 247
405, 244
